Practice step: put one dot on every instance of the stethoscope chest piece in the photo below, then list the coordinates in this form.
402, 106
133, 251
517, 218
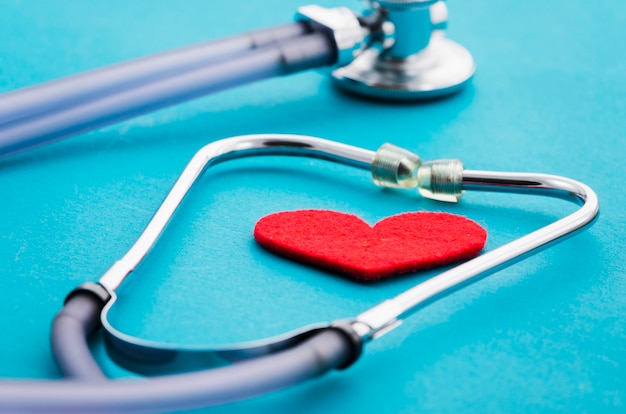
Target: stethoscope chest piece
408, 57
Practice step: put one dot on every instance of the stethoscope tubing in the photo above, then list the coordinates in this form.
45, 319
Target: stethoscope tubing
93, 85
89, 391
58, 116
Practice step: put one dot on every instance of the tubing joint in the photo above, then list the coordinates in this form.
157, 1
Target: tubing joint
93, 289
343, 26
346, 329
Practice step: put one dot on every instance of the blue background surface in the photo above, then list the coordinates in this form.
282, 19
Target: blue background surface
546, 335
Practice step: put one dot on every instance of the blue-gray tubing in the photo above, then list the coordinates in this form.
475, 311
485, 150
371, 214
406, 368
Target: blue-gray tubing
304, 52
90, 85
79, 318
333, 348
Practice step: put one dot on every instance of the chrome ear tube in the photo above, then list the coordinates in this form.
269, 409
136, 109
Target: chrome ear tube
391, 166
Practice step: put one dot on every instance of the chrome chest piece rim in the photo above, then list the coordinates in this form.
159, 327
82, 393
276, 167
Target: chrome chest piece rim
408, 57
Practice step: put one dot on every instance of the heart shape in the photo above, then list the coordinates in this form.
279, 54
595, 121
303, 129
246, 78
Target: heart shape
346, 244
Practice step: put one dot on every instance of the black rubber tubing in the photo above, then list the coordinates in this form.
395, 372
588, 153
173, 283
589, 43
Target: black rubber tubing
333, 348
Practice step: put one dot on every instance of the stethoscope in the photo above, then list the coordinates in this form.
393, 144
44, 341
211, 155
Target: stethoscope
269, 364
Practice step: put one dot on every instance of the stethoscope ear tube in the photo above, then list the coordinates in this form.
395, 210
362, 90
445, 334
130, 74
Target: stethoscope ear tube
390, 166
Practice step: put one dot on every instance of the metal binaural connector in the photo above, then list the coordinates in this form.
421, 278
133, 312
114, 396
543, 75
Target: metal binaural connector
392, 166
396, 167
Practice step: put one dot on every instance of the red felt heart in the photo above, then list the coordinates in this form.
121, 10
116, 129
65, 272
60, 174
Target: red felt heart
344, 243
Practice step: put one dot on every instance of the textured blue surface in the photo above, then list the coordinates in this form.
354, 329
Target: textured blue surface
546, 335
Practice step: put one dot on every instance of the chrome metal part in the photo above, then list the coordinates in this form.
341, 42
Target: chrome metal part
342, 23
389, 314
142, 352
223, 150
385, 315
419, 62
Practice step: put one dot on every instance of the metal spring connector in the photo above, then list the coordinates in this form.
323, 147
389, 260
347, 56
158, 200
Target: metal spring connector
396, 167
